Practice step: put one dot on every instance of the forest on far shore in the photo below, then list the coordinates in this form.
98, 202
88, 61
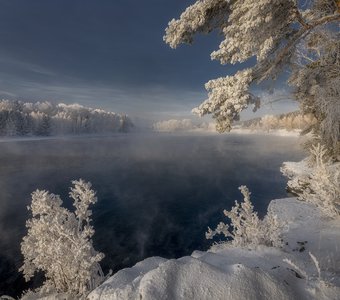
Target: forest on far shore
19, 118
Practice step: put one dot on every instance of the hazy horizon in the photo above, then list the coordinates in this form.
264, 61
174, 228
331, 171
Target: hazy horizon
110, 55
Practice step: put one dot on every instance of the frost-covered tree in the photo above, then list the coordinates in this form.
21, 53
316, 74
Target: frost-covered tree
299, 36
247, 229
269, 122
59, 243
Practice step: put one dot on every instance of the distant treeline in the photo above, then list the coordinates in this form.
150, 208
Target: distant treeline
289, 121
173, 125
19, 118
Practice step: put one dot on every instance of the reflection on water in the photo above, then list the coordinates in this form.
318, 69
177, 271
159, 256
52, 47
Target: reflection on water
157, 193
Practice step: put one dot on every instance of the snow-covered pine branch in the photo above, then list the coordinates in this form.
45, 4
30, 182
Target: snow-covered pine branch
203, 16
228, 96
281, 34
58, 243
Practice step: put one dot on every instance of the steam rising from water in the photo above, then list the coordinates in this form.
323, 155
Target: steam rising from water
157, 193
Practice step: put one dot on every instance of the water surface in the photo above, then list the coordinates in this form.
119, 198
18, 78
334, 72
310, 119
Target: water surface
156, 193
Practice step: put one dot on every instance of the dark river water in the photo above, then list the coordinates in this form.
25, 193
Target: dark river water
156, 193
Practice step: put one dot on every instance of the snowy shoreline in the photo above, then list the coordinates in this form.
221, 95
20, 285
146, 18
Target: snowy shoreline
281, 133
60, 137
236, 131
276, 132
307, 266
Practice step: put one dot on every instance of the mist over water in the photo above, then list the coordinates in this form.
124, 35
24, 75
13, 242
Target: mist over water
156, 193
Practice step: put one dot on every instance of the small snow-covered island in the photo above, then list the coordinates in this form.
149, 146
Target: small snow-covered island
288, 250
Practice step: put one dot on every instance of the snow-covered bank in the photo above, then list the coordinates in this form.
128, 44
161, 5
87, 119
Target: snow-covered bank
276, 132
298, 174
307, 267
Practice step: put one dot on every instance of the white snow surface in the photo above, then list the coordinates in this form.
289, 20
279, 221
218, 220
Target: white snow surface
226, 272
275, 132
298, 174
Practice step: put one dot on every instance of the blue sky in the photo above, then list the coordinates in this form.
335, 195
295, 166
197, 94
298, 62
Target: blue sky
108, 54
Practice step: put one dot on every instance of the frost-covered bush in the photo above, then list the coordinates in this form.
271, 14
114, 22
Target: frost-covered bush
323, 189
247, 229
59, 243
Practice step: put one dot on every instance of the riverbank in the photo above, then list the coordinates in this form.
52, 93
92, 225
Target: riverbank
306, 267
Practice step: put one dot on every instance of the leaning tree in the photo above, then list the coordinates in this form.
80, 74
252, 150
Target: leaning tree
301, 37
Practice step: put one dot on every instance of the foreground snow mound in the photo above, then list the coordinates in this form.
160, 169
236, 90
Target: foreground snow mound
192, 278
307, 267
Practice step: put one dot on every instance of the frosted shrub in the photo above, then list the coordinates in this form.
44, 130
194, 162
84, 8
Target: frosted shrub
247, 229
323, 189
59, 243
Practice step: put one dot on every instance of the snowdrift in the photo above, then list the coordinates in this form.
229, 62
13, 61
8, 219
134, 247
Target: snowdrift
307, 267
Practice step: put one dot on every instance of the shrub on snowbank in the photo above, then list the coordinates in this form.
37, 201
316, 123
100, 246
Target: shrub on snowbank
59, 244
247, 228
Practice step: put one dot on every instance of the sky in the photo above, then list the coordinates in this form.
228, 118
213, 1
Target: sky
108, 54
